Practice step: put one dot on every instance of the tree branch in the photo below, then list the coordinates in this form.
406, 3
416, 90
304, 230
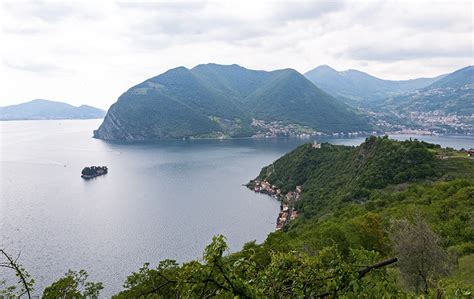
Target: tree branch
18, 270
364, 271
367, 269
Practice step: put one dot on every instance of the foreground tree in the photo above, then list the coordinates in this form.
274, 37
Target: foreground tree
287, 275
422, 259
73, 285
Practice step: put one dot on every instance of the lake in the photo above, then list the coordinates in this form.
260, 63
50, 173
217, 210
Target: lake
161, 200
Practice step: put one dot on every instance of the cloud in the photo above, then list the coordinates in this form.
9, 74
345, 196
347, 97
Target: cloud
389, 54
92, 51
194, 23
35, 67
48, 11
297, 11
178, 6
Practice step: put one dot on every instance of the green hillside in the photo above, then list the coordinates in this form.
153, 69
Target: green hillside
173, 105
290, 97
232, 79
335, 175
220, 101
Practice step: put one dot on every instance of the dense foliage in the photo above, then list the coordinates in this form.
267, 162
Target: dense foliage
292, 98
74, 285
216, 98
289, 274
333, 175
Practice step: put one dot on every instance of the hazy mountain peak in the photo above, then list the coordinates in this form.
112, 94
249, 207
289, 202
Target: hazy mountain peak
456, 79
289, 71
216, 65
323, 67
360, 86
46, 109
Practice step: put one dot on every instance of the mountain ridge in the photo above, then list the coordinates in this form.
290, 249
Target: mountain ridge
359, 86
446, 106
45, 109
212, 100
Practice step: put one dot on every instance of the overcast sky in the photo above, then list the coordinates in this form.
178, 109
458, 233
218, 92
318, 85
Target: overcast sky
90, 53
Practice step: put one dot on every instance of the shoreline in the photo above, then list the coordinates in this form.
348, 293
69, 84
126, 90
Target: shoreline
288, 211
118, 141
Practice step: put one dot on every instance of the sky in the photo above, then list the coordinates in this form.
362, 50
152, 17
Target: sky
90, 52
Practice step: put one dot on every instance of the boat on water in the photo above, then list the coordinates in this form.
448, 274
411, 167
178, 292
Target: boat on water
93, 171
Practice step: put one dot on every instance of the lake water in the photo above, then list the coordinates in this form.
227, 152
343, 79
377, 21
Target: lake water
163, 200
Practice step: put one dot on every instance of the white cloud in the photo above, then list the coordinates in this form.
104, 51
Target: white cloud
91, 52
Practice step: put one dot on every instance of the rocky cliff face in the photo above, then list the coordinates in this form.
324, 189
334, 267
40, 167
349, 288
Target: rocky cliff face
112, 129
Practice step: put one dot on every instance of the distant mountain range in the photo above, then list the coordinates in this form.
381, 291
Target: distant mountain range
362, 87
452, 94
212, 100
44, 109
446, 106
221, 101
457, 79
442, 104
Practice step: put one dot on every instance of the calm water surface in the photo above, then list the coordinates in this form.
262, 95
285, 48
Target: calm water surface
163, 200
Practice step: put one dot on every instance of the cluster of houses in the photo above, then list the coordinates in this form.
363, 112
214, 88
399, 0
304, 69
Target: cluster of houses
287, 209
442, 155
470, 153
266, 187
273, 129
286, 214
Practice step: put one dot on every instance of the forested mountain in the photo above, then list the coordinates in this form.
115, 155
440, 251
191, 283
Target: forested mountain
360, 86
446, 106
332, 175
221, 100
457, 79
44, 109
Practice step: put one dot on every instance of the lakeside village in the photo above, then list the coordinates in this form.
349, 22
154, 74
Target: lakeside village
288, 211
274, 129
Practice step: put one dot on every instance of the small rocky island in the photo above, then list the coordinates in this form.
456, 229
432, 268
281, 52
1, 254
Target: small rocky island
93, 171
